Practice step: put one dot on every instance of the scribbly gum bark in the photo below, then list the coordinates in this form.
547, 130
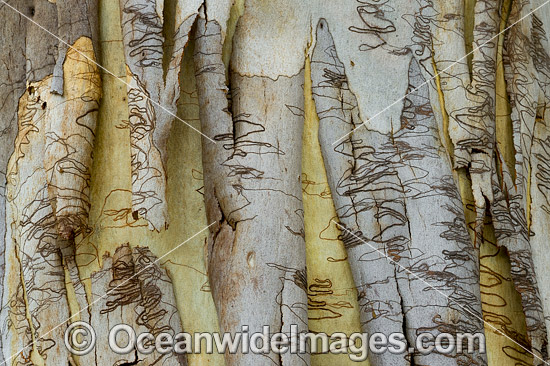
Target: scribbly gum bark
12, 85
469, 90
332, 299
153, 91
384, 194
47, 203
514, 210
431, 169
50, 111
48, 120
505, 195
253, 189
47, 176
140, 294
380, 201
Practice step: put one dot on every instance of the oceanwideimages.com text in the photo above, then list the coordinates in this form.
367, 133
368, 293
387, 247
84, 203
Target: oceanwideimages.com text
80, 339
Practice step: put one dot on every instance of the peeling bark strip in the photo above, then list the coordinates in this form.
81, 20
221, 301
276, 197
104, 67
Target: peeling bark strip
131, 288
518, 202
152, 97
382, 185
256, 256
48, 174
12, 86
469, 96
469, 89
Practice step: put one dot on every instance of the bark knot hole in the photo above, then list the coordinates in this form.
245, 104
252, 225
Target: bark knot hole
251, 259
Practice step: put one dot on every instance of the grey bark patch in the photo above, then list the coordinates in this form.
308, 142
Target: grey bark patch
76, 19
12, 86
414, 271
253, 189
133, 289
152, 99
48, 140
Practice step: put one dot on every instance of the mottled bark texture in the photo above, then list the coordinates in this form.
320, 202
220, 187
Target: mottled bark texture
50, 125
152, 95
518, 196
385, 185
132, 289
427, 270
256, 254
407, 125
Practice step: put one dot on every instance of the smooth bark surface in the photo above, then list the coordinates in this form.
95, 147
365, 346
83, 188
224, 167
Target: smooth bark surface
253, 189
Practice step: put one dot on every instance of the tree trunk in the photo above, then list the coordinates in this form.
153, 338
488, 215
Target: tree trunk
216, 165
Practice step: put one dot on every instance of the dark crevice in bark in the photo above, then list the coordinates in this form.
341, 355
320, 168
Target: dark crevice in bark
168, 32
469, 25
404, 323
132, 363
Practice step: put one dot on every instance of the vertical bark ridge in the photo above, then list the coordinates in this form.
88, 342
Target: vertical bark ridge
379, 298
12, 86
255, 256
388, 180
48, 175
526, 65
469, 100
152, 98
131, 288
